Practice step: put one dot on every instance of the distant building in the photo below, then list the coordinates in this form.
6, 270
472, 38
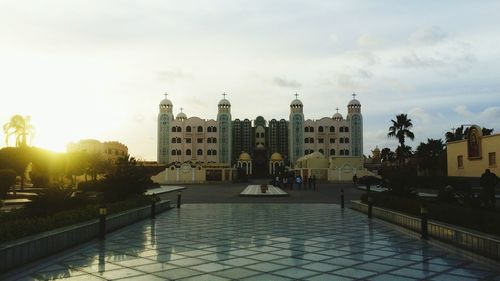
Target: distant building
110, 150
228, 142
471, 156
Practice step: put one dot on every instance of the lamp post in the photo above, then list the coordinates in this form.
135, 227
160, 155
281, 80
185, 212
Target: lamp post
370, 206
342, 198
103, 211
423, 222
179, 199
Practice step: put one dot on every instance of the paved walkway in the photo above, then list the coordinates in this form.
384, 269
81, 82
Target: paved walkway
258, 242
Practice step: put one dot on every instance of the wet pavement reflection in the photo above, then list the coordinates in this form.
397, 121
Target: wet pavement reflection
258, 242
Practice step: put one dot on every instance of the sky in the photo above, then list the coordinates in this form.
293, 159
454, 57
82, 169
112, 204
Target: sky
99, 69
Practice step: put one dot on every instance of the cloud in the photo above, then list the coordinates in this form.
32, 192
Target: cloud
490, 113
368, 41
447, 60
173, 75
427, 36
463, 111
282, 82
420, 115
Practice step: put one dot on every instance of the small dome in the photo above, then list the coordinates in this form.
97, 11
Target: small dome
224, 102
337, 116
181, 116
245, 157
376, 149
296, 102
276, 157
354, 102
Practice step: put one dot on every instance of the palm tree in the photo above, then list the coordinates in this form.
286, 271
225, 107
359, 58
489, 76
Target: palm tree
400, 129
456, 134
19, 127
429, 155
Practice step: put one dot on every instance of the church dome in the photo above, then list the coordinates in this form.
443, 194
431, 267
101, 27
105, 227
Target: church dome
276, 157
181, 116
224, 102
354, 102
296, 102
166, 103
244, 157
337, 116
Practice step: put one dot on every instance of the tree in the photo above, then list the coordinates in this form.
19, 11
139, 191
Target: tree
429, 154
387, 155
7, 180
400, 129
486, 131
460, 133
19, 127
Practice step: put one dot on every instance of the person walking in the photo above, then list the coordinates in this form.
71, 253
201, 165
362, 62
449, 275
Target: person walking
310, 182
488, 182
298, 180
314, 182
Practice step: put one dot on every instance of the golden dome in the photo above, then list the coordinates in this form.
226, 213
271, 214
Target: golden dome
245, 157
276, 157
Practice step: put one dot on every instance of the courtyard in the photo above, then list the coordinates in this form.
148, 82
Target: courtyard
253, 241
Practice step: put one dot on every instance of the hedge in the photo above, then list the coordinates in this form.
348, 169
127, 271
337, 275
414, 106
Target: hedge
16, 224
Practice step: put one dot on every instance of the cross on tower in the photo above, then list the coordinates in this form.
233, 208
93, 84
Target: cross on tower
166, 94
224, 94
296, 95
353, 95
182, 109
337, 109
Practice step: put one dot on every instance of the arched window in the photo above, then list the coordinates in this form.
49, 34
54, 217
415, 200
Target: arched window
311, 129
209, 152
173, 139
188, 151
332, 151
209, 129
179, 129
179, 152
214, 140
332, 129
341, 140
341, 129
341, 152
346, 129
209, 140
214, 129
188, 129
174, 129
332, 140
306, 140
311, 140
347, 152
200, 129
346, 140
199, 152
214, 152
321, 151
306, 129
179, 140
320, 129
174, 152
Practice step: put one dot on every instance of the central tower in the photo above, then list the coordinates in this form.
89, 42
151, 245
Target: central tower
296, 130
225, 134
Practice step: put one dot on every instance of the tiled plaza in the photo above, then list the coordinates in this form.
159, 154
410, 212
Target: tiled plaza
258, 242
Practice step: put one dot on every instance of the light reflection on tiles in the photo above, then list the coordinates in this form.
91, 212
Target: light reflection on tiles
258, 242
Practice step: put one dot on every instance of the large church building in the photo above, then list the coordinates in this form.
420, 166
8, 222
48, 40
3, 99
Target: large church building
257, 144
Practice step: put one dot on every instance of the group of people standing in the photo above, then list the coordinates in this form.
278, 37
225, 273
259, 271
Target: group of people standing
289, 180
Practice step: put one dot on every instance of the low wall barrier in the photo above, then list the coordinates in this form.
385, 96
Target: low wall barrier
474, 241
18, 252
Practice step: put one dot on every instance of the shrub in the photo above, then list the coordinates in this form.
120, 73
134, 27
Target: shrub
18, 224
7, 179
